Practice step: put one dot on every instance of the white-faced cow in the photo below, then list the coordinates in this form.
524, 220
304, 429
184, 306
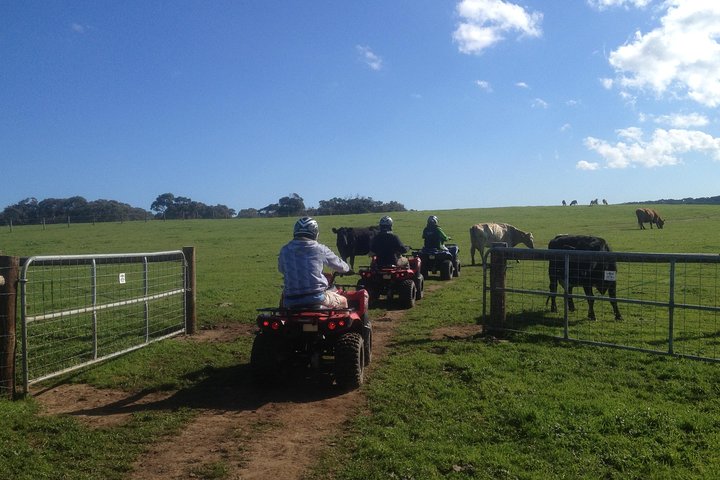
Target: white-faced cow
648, 215
586, 272
352, 241
484, 234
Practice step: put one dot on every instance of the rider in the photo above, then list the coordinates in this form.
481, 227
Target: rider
387, 246
301, 262
433, 235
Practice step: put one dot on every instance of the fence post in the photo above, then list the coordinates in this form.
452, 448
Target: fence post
498, 267
190, 292
9, 270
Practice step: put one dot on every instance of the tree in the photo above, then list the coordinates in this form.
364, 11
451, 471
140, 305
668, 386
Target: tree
290, 206
162, 203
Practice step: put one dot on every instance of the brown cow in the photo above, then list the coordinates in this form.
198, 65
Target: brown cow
483, 234
648, 215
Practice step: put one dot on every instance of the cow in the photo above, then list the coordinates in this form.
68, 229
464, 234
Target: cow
605, 202
586, 272
484, 234
564, 203
648, 215
352, 241
574, 202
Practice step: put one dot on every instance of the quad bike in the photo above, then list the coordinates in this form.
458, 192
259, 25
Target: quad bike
437, 260
320, 339
404, 283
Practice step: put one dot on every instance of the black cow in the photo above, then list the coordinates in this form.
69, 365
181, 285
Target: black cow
586, 272
352, 241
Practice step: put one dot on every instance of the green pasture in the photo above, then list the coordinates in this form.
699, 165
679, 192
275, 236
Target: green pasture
466, 406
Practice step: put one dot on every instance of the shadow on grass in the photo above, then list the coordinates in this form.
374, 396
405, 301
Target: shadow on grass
224, 389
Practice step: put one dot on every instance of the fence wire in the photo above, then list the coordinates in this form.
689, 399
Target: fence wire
669, 303
78, 310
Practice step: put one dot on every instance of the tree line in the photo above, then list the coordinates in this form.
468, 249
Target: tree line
294, 205
32, 211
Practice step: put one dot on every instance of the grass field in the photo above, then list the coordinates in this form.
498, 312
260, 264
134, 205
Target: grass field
525, 407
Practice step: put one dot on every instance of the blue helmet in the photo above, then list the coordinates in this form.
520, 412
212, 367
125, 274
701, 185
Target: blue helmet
306, 227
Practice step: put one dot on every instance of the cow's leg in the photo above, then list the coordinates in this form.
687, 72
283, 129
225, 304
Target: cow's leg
472, 253
553, 289
352, 262
591, 302
571, 304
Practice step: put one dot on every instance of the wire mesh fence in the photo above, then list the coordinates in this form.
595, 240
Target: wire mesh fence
77, 310
669, 302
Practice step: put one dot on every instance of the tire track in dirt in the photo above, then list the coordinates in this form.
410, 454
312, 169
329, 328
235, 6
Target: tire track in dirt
248, 432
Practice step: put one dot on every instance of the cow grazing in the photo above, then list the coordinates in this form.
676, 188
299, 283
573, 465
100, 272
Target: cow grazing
648, 215
484, 234
605, 202
586, 272
574, 202
564, 203
352, 241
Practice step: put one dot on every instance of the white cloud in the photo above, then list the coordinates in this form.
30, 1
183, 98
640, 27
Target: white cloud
539, 103
607, 83
77, 28
522, 85
683, 121
603, 4
664, 147
484, 85
565, 127
485, 22
369, 57
583, 165
679, 58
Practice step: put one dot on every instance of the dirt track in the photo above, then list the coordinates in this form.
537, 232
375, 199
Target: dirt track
237, 424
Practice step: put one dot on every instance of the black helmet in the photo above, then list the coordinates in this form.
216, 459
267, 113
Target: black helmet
386, 224
432, 220
306, 227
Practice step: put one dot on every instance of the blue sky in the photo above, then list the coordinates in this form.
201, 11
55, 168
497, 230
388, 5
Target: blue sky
435, 104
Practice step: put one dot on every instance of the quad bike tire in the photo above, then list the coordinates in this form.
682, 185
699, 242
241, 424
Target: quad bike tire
446, 270
419, 286
350, 361
407, 293
367, 338
264, 360
373, 295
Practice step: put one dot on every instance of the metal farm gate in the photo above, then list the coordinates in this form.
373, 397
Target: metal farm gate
81, 309
670, 303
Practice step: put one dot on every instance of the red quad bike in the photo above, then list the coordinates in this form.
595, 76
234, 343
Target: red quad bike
321, 339
405, 283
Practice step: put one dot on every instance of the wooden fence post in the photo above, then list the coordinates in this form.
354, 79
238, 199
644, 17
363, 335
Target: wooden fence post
9, 272
190, 292
498, 267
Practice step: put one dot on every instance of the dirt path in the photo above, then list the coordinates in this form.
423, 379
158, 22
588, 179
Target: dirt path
238, 426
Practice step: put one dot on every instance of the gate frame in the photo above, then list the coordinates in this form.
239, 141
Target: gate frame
186, 255
500, 254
